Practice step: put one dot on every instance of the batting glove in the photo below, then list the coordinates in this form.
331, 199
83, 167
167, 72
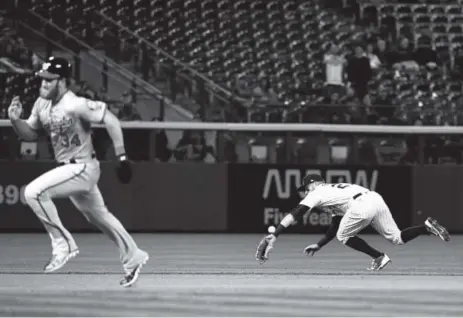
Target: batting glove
311, 249
264, 248
15, 109
124, 169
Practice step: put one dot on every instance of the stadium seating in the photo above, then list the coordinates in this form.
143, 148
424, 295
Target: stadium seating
282, 41
431, 23
24, 85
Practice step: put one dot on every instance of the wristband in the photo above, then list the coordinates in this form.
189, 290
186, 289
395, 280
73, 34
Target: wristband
119, 151
280, 228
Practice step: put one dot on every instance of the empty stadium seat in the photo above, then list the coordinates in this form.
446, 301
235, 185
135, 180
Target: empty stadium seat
227, 38
24, 85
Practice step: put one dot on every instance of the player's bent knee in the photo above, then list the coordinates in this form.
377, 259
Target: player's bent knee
32, 193
342, 237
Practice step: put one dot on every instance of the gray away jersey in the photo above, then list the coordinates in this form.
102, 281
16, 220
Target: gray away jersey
68, 124
332, 197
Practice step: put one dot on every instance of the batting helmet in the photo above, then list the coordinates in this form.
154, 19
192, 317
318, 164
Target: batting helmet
308, 179
55, 68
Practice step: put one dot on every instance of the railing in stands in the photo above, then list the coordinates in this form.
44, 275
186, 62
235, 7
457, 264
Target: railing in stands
294, 143
178, 72
235, 109
134, 80
167, 55
51, 44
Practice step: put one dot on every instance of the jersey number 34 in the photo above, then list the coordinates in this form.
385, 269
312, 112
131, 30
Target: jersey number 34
64, 140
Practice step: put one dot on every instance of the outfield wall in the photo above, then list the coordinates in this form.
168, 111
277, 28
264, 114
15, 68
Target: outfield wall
237, 198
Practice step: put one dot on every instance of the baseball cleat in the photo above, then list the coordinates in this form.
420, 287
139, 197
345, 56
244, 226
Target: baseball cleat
435, 228
379, 263
133, 273
58, 260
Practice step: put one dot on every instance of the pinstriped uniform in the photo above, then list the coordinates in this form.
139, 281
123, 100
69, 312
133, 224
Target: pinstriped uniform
358, 206
68, 125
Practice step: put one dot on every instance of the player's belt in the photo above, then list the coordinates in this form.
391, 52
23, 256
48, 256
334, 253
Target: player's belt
71, 161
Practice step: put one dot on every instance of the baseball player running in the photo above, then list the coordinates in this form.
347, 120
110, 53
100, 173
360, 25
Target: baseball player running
354, 208
67, 118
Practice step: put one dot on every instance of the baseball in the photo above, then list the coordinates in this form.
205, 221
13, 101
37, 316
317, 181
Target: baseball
271, 229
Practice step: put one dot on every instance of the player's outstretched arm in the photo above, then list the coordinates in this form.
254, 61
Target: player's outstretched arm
331, 233
266, 244
295, 215
25, 129
328, 237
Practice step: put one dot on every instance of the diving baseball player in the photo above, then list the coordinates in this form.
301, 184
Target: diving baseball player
66, 118
354, 208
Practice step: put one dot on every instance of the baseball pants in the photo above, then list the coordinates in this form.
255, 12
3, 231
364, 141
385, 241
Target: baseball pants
79, 183
369, 209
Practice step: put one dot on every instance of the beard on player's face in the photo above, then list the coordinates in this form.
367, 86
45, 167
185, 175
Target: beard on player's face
49, 89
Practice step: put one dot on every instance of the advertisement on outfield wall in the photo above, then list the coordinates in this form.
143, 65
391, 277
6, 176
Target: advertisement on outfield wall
261, 195
161, 197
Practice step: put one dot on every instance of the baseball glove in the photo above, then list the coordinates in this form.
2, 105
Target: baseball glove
264, 248
124, 171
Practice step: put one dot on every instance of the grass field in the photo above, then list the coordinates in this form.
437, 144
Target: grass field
216, 275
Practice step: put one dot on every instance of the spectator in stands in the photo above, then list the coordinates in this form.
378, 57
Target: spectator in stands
340, 118
12, 47
243, 86
21, 54
334, 68
83, 89
36, 61
271, 97
383, 104
128, 111
258, 95
162, 151
229, 152
192, 147
367, 152
457, 72
359, 74
375, 63
424, 55
404, 57
263, 93
431, 148
411, 156
382, 52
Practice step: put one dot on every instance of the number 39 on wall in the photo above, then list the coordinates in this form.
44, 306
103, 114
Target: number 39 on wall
11, 194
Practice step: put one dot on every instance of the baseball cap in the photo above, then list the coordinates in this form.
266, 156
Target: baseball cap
55, 68
308, 179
